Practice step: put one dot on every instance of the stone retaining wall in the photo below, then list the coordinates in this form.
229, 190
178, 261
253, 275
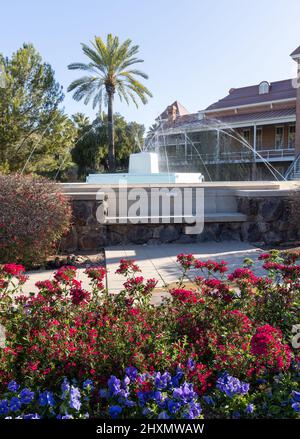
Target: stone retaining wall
271, 219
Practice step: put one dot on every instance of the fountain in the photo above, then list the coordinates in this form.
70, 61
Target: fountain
144, 168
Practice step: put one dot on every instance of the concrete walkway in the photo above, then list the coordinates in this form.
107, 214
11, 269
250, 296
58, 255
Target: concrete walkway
159, 262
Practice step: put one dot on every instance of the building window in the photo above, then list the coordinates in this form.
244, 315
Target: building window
258, 138
279, 137
291, 137
263, 88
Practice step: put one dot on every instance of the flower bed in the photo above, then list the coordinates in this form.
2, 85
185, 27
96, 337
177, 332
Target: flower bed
226, 347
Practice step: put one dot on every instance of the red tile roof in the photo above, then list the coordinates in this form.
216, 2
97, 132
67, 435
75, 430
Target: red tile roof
191, 120
258, 116
180, 110
295, 52
250, 95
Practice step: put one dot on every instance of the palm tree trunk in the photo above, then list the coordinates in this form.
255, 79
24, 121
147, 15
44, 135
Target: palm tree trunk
111, 138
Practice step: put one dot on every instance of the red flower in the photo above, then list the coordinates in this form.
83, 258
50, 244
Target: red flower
79, 296
13, 269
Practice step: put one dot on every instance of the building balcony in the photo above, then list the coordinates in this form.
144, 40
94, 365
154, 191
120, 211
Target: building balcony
271, 155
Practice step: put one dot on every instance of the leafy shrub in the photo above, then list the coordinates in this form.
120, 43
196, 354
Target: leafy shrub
34, 215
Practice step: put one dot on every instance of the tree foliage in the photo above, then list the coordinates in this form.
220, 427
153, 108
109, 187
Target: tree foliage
110, 71
34, 132
91, 147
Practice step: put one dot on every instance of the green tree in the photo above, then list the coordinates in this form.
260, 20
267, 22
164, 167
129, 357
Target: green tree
91, 146
34, 132
109, 71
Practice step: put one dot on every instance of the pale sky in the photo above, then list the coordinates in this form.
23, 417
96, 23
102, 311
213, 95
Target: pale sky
194, 50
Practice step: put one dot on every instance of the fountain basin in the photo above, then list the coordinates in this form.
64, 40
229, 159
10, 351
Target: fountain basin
143, 168
172, 177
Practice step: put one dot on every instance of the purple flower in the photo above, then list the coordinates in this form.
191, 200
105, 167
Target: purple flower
114, 411
249, 409
163, 415
75, 398
65, 387
126, 381
31, 416
296, 406
131, 372
3, 407
26, 396
88, 385
161, 381
13, 386
15, 404
208, 400
194, 410
46, 398
114, 386
190, 363
174, 406
185, 393
103, 393
296, 396
177, 378
231, 385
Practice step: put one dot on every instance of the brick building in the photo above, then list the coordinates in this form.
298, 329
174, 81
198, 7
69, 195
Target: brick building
255, 128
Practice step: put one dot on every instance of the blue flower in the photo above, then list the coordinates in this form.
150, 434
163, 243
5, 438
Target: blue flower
231, 385
26, 396
194, 410
65, 387
208, 400
156, 396
126, 381
236, 415
3, 407
66, 416
114, 411
296, 396
103, 393
161, 381
296, 406
75, 398
46, 398
13, 386
114, 386
131, 372
31, 416
88, 385
177, 378
249, 409
190, 363
15, 404
185, 393
163, 415
174, 406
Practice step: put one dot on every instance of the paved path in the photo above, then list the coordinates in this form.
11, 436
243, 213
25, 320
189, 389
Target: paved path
160, 261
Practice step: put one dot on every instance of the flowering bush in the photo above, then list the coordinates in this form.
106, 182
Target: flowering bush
34, 215
219, 347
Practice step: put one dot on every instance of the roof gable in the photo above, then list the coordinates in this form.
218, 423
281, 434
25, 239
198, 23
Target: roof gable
180, 110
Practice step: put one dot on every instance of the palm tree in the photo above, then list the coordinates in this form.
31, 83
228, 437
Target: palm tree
110, 71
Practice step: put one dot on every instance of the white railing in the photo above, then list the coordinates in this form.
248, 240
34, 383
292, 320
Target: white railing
293, 168
237, 156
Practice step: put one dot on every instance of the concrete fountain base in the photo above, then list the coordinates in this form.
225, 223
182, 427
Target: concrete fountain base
143, 168
257, 212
